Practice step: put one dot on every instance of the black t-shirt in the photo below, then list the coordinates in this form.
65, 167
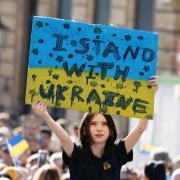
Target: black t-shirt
84, 165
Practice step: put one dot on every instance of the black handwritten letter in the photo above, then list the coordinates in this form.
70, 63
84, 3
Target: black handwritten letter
150, 57
49, 95
59, 93
109, 97
130, 50
123, 103
104, 67
59, 42
93, 96
74, 68
123, 73
111, 48
85, 46
76, 90
140, 106
97, 43
90, 75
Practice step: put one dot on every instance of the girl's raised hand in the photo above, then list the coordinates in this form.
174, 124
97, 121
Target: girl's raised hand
154, 82
40, 108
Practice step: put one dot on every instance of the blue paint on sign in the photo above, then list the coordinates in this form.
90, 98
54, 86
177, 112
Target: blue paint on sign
98, 48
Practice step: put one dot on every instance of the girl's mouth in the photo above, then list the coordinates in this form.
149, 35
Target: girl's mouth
99, 135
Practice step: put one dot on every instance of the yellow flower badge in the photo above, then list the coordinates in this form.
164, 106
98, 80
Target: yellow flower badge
106, 165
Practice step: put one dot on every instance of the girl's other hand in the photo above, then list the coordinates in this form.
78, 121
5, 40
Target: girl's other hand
154, 82
40, 108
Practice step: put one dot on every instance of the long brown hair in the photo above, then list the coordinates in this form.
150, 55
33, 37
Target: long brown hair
47, 172
85, 135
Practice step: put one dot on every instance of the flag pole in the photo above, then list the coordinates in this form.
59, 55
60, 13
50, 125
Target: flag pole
13, 160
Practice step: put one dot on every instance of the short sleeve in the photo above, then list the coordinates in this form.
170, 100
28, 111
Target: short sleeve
74, 157
122, 154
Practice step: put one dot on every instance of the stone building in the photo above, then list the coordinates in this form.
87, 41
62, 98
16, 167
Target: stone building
162, 16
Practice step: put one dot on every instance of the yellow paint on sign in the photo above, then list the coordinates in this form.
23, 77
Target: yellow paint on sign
130, 98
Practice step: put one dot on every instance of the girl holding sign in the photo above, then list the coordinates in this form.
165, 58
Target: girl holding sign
98, 157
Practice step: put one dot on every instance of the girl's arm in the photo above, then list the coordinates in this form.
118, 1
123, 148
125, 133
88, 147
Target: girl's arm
40, 108
136, 133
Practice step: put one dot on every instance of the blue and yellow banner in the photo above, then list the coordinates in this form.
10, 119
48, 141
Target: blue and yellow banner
93, 68
17, 145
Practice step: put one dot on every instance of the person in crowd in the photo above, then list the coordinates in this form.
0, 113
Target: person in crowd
4, 125
154, 171
4, 176
74, 134
176, 163
98, 157
129, 173
56, 159
31, 125
160, 154
5, 156
47, 172
176, 174
45, 139
15, 173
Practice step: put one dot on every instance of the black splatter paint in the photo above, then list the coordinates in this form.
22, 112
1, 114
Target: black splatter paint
79, 29
93, 84
102, 85
55, 76
89, 57
137, 85
47, 24
66, 26
70, 56
50, 55
118, 112
90, 109
40, 41
35, 51
119, 86
32, 93
140, 37
73, 43
127, 37
69, 81
97, 30
146, 68
97, 37
141, 73
149, 86
114, 35
48, 81
40, 61
34, 77
50, 71
59, 59
39, 24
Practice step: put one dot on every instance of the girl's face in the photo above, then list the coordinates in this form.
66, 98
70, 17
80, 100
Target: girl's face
99, 129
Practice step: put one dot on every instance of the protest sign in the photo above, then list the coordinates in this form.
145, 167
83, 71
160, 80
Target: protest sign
93, 68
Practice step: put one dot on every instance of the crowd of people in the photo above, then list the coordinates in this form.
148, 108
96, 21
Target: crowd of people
43, 160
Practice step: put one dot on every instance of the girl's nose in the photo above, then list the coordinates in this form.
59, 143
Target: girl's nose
99, 127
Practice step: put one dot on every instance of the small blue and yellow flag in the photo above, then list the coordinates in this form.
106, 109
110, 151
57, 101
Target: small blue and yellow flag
17, 145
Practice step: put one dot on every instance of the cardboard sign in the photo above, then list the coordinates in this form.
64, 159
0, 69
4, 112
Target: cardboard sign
93, 68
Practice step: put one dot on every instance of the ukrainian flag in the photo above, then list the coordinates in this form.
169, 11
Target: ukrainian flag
17, 145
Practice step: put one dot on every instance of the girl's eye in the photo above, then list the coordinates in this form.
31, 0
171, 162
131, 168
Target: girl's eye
105, 124
93, 123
